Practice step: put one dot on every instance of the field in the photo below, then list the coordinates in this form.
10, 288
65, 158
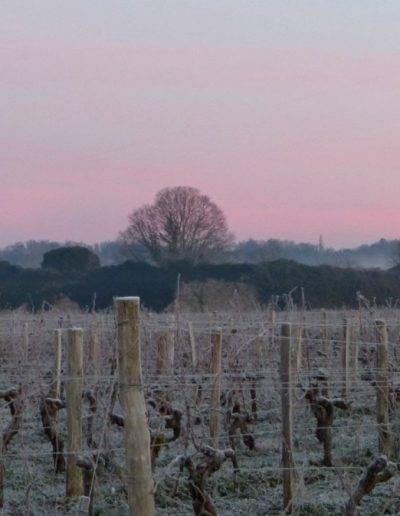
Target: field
335, 355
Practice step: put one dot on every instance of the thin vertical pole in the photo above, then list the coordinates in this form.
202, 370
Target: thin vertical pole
165, 353
272, 321
287, 423
216, 367
192, 345
346, 358
94, 351
259, 353
74, 385
57, 363
26, 341
382, 389
326, 339
299, 348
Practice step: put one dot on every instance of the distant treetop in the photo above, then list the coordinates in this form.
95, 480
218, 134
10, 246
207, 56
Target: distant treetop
70, 259
181, 225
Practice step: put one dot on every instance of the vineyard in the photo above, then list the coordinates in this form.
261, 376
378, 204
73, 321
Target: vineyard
243, 412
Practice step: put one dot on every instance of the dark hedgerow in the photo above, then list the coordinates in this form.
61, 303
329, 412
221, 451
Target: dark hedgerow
324, 286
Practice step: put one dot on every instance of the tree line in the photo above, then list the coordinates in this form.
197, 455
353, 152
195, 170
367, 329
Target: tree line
381, 254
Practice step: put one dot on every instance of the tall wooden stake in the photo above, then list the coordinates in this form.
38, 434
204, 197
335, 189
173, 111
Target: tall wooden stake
74, 386
56, 391
192, 345
165, 353
326, 347
346, 358
272, 322
259, 355
94, 351
382, 389
299, 348
137, 436
287, 424
215, 369
26, 341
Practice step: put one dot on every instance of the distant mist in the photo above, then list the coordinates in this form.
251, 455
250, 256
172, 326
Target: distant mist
382, 254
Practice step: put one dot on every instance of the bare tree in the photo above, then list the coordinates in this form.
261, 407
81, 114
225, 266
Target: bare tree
395, 256
182, 224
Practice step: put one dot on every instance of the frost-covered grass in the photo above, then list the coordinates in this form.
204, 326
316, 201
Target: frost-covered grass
32, 485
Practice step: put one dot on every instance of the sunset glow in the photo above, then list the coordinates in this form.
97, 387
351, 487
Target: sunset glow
287, 118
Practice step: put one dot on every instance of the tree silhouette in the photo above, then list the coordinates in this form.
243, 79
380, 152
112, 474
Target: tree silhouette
181, 225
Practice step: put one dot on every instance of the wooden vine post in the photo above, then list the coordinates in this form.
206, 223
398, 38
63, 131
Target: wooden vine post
346, 358
355, 352
325, 336
165, 353
192, 345
140, 484
259, 354
56, 390
272, 320
26, 341
299, 347
94, 351
74, 385
287, 422
215, 369
2, 474
382, 389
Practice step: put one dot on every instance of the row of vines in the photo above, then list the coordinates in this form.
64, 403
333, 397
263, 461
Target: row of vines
261, 412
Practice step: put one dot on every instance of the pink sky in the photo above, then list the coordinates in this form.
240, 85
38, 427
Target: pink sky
288, 117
